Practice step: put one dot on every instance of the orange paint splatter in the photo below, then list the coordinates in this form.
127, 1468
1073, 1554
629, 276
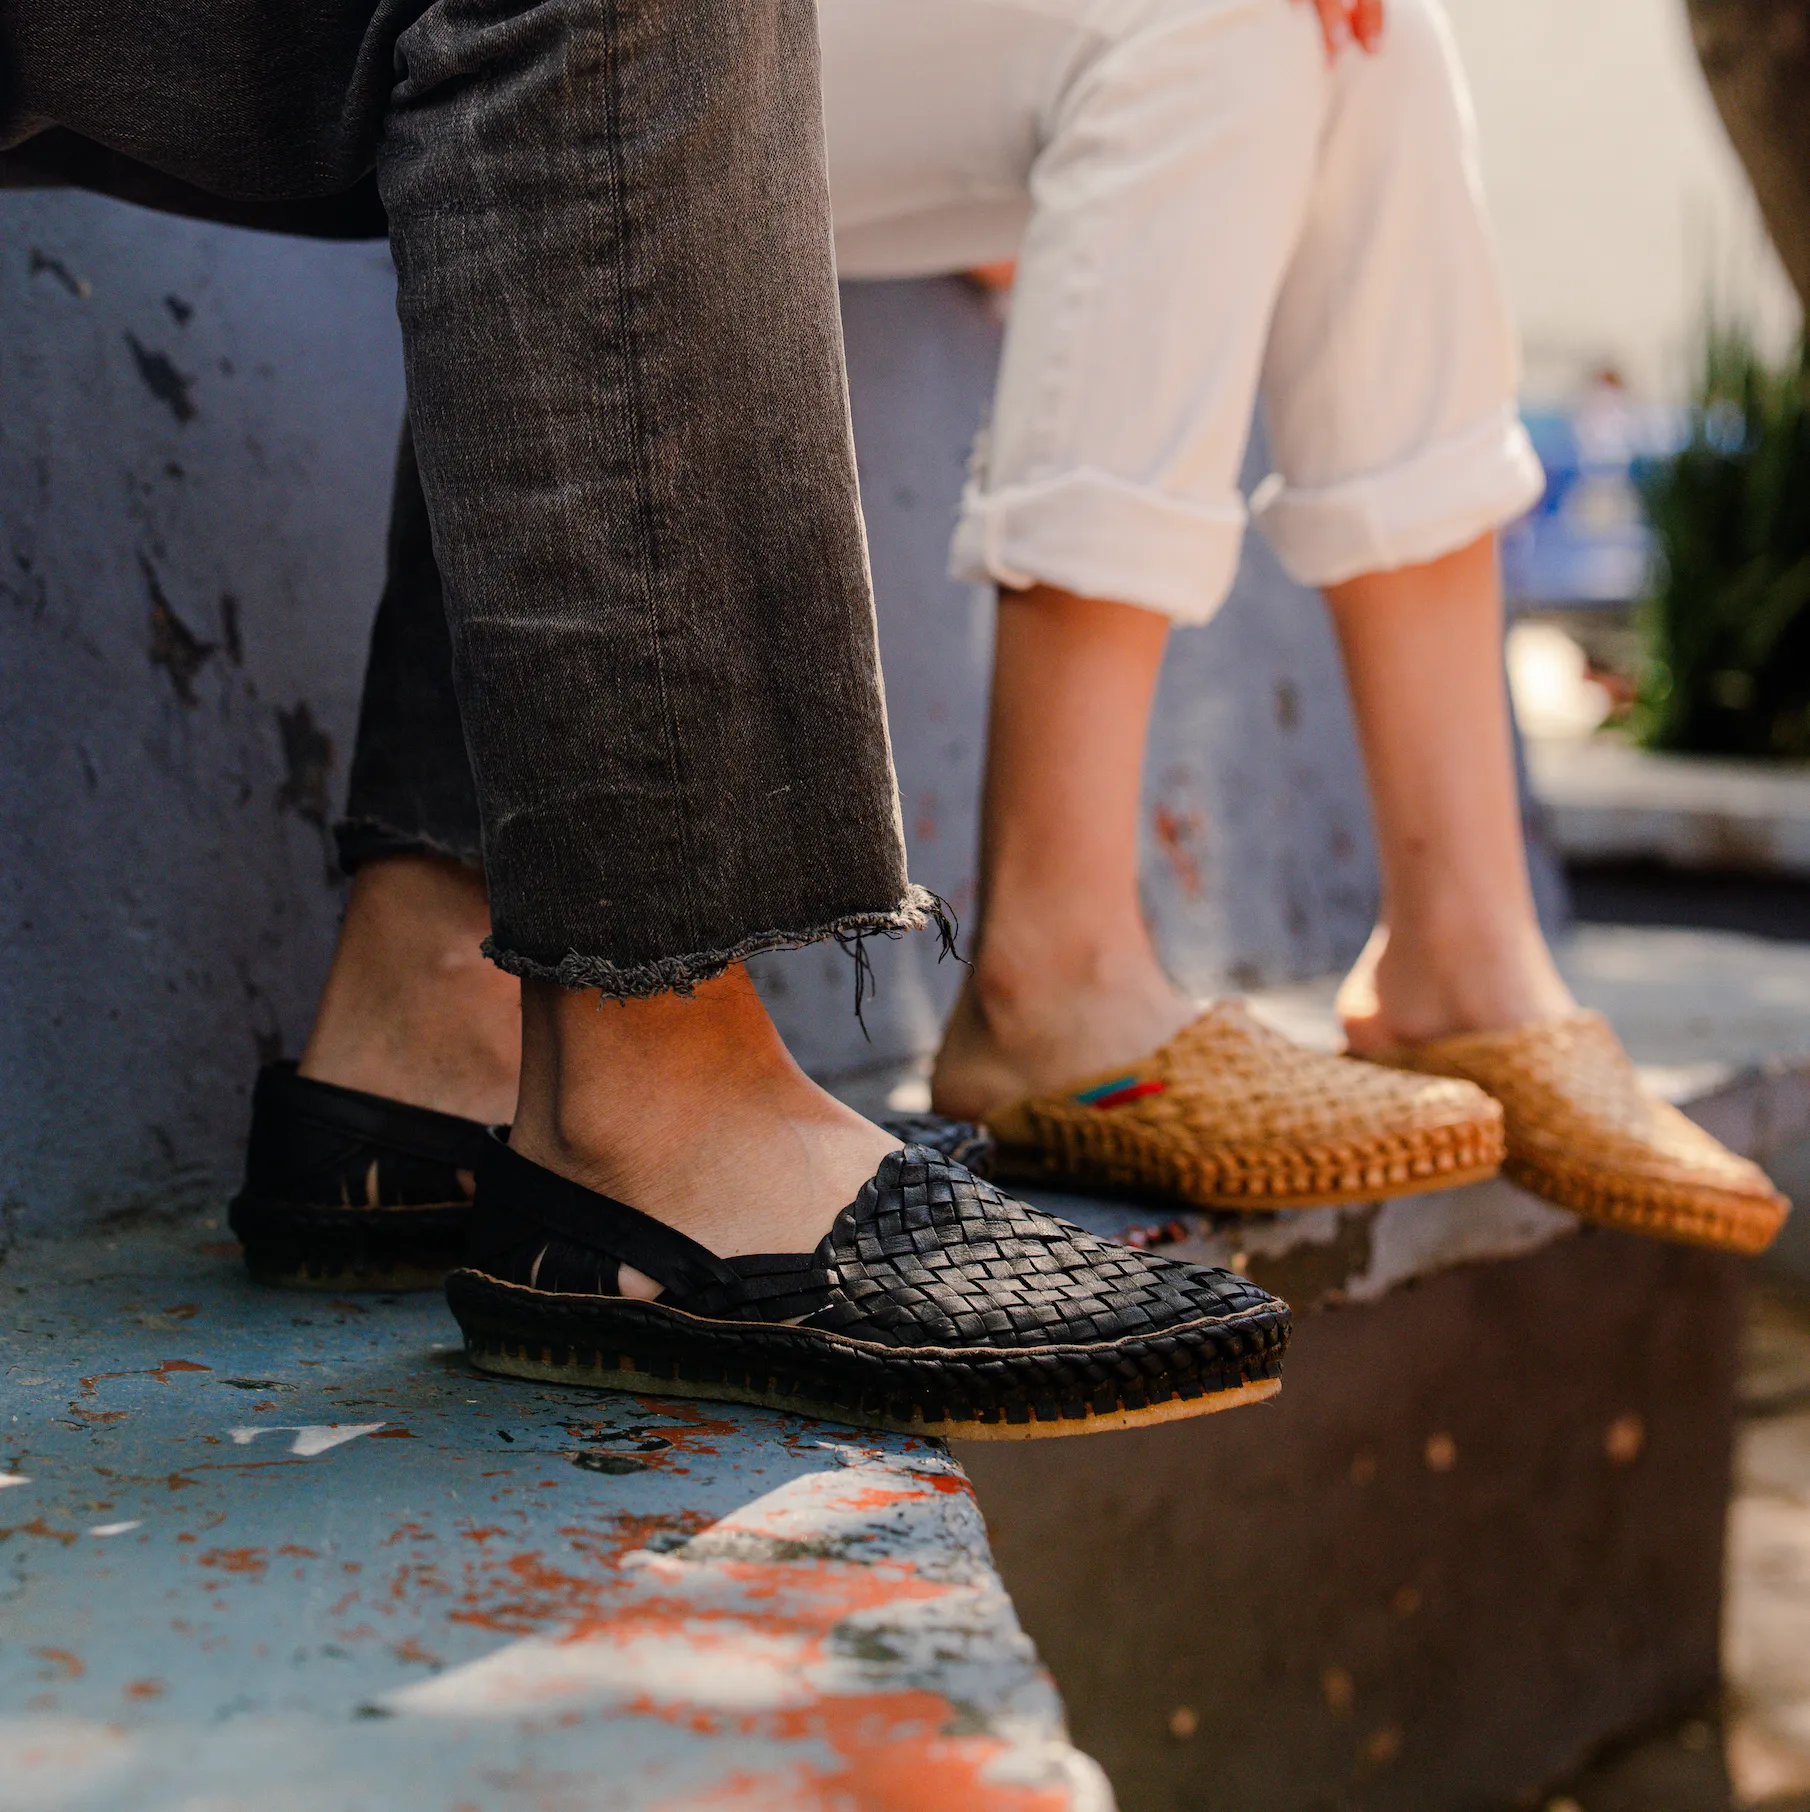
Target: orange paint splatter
253, 1562
1177, 836
39, 1527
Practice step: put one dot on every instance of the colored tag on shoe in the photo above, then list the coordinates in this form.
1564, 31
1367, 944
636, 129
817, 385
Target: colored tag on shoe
1119, 1092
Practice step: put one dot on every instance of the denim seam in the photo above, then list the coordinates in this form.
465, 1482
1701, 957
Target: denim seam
682, 974
645, 536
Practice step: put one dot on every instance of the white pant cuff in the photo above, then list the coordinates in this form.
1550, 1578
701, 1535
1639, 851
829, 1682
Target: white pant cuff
1432, 503
1090, 533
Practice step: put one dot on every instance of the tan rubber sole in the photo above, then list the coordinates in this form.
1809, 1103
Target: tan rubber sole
1030, 1165
1352, 1198
1722, 1223
598, 1377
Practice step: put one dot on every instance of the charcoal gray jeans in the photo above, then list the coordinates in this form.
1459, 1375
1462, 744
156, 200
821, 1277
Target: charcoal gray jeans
637, 500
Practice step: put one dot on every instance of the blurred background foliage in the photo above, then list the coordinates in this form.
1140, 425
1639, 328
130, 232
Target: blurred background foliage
1727, 618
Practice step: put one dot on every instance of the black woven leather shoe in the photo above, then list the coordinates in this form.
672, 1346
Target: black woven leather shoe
935, 1305
349, 1191
969, 1146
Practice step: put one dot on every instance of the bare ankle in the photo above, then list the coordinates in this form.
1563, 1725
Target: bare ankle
1039, 1011
1414, 985
411, 1008
693, 1111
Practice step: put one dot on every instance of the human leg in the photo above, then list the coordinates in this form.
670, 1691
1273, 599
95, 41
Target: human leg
1389, 386
1104, 505
360, 1158
411, 1011
1065, 976
664, 650
1458, 946
638, 838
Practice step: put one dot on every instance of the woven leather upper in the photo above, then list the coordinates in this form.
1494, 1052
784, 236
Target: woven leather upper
1572, 1096
928, 1255
1230, 1113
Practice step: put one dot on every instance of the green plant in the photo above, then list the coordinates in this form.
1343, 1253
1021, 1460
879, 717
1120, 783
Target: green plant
1727, 621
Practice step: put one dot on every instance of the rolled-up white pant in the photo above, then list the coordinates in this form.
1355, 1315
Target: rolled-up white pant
1204, 212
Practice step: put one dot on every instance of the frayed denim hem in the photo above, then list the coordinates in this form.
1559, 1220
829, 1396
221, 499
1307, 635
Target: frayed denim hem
362, 840
682, 974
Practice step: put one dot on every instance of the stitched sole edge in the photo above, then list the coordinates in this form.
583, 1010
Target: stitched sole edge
323, 1247
1176, 1409
879, 1387
1030, 1164
325, 1279
1712, 1218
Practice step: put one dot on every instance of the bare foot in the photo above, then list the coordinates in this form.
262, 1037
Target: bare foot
1028, 1029
412, 1009
1402, 992
693, 1111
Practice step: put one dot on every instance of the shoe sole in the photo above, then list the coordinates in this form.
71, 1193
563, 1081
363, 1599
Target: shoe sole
613, 1343
1688, 1217
325, 1278
1266, 1185
314, 1246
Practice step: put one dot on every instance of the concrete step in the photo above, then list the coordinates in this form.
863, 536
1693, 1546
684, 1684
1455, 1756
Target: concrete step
291, 1545
1605, 800
289, 1551
1481, 1532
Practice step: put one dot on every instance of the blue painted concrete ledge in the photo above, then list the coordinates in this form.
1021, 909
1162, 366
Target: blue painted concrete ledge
290, 1552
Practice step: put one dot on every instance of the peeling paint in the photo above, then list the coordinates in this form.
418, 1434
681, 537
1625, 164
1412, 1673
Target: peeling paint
163, 380
43, 264
310, 1439
767, 1612
174, 646
307, 766
1179, 835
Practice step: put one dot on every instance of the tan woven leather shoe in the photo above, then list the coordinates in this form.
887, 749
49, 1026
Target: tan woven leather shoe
1584, 1132
1230, 1114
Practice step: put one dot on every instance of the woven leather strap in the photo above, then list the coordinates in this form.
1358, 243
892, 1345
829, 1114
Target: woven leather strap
516, 1198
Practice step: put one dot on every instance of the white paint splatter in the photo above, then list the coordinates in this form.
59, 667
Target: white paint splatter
138, 1522
726, 1666
12, 1478
47, 1763
310, 1439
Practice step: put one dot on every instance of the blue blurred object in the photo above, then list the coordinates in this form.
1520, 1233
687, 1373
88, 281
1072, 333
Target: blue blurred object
1586, 541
